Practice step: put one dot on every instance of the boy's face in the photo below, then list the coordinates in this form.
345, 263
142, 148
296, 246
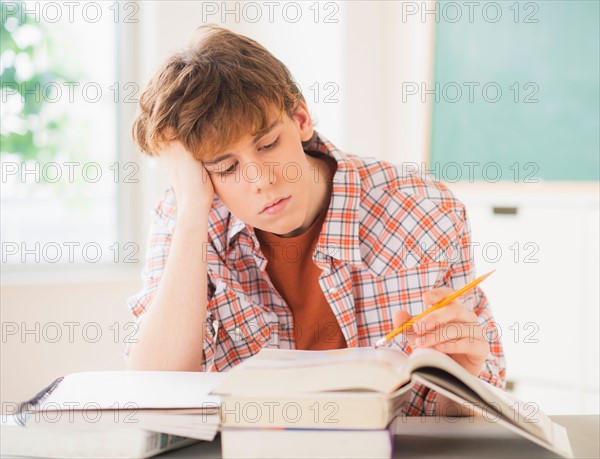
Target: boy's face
268, 181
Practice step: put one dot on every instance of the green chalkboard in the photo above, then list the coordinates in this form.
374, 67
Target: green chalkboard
517, 94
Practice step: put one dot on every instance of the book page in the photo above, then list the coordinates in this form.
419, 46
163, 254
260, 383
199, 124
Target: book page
132, 389
292, 358
535, 425
285, 371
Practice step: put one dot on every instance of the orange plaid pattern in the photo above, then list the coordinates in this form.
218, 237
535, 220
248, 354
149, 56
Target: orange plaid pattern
387, 238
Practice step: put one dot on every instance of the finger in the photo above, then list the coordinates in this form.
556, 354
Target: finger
452, 332
454, 312
411, 338
400, 317
478, 349
437, 294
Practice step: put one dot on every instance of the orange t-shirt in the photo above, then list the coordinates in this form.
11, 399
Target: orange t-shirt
296, 277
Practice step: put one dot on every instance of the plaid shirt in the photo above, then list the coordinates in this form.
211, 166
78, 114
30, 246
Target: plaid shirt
387, 238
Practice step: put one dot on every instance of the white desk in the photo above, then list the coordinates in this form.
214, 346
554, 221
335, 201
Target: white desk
466, 438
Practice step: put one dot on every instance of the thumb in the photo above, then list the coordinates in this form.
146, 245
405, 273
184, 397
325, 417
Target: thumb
400, 317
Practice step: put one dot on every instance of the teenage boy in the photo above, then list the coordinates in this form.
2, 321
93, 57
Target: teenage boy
272, 237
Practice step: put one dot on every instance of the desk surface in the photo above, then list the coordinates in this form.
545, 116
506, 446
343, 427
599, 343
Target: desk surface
434, 437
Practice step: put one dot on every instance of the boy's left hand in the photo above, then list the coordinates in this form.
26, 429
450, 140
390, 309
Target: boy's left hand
453, 330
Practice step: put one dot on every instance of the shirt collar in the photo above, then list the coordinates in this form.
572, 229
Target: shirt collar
235, 227
339, 237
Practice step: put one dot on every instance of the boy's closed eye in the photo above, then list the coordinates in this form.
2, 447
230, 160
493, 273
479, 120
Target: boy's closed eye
270, 146
226, 169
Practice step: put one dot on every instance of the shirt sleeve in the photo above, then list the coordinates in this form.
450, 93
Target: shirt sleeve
463, 271
422, 400
157, 250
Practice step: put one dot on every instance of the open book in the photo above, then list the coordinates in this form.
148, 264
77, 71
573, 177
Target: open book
278, 375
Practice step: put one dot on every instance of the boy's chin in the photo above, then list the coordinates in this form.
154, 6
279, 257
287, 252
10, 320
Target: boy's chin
284, 230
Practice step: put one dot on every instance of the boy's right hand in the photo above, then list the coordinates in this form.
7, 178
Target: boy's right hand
191, 182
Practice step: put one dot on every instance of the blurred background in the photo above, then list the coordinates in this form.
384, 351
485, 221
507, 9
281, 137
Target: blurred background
499, 100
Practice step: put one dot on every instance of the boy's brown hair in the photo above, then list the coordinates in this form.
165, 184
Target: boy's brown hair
220, 88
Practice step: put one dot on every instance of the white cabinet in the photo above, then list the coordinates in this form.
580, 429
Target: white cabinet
591, 320
542, 240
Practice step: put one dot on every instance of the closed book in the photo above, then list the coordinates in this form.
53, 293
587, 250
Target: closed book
73, 443
248, 443
201, 426
320, 410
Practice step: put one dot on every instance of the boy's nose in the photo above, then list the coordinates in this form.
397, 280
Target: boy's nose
265, 176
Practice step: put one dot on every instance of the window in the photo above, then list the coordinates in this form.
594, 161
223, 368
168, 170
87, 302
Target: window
59, 134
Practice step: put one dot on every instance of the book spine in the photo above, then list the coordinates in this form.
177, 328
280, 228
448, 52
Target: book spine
325, 412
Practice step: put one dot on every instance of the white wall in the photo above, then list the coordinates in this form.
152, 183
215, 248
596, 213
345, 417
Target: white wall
52, 329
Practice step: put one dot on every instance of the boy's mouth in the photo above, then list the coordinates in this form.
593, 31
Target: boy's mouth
274, 206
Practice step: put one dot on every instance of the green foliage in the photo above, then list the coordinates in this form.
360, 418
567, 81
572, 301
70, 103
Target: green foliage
30, 129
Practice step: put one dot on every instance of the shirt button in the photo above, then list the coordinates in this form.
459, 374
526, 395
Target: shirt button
283, 326
333, 290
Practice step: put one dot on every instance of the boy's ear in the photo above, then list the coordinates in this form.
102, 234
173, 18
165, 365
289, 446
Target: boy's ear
304, 121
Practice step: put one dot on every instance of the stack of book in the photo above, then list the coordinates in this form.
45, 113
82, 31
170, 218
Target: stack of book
291, 403
114, 414
302, 424
278, 403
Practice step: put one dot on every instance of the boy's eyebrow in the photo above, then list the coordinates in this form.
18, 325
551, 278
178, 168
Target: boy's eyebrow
255, 140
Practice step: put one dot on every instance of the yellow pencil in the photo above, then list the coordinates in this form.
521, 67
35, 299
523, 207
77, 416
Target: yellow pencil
440, 304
